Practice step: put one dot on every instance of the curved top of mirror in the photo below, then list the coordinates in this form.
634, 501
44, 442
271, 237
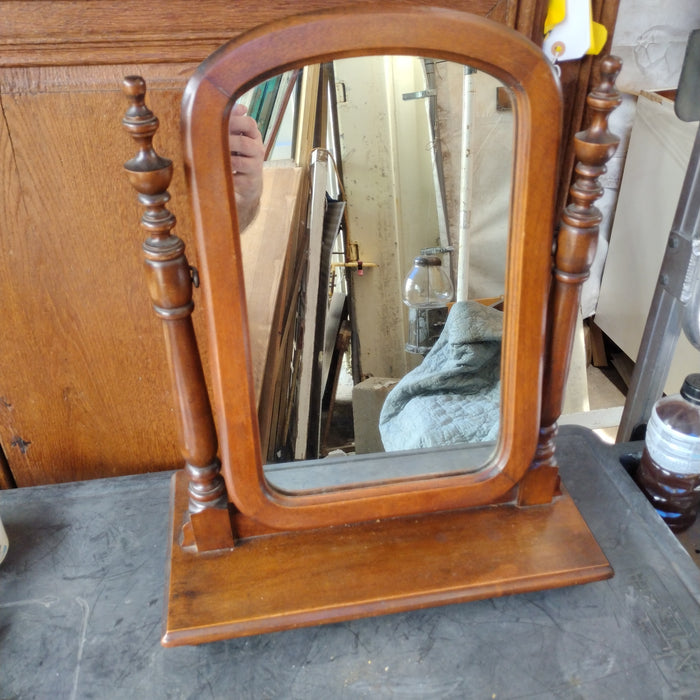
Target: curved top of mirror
292, 43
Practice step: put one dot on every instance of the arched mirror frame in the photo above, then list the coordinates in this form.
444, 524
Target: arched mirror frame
318, 38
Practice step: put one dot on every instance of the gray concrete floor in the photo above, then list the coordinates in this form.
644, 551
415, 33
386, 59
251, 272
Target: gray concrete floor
81, 602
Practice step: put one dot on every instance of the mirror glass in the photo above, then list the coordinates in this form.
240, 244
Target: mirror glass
375, 269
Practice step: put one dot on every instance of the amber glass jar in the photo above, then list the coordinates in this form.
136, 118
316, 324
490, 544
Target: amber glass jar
669, 472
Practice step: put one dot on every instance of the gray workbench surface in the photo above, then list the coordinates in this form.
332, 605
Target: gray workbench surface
81, 596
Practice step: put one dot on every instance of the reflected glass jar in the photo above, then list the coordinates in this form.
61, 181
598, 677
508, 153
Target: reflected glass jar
427, 290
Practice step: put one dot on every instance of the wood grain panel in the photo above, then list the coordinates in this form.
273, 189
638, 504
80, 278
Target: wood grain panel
62, 32
84, 385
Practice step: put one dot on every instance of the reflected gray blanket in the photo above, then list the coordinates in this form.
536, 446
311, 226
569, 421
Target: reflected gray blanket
454, 395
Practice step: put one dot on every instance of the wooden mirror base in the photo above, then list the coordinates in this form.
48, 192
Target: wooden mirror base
304, 578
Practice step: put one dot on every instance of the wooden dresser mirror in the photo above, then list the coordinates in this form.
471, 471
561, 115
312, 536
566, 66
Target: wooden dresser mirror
249, 556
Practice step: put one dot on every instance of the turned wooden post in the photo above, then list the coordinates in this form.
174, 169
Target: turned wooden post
170, 281
574, 251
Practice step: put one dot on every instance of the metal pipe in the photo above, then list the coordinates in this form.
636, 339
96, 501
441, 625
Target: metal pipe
465, 188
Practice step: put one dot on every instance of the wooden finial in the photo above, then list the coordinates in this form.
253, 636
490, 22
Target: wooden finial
574, 252
596, 145
148, 172
169, 278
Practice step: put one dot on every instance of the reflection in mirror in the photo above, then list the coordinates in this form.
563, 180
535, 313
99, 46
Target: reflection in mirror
382, 174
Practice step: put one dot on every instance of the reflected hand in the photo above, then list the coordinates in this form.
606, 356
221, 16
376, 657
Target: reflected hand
247, 156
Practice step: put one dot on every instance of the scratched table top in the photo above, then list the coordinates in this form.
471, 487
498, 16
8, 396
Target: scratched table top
81, 598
